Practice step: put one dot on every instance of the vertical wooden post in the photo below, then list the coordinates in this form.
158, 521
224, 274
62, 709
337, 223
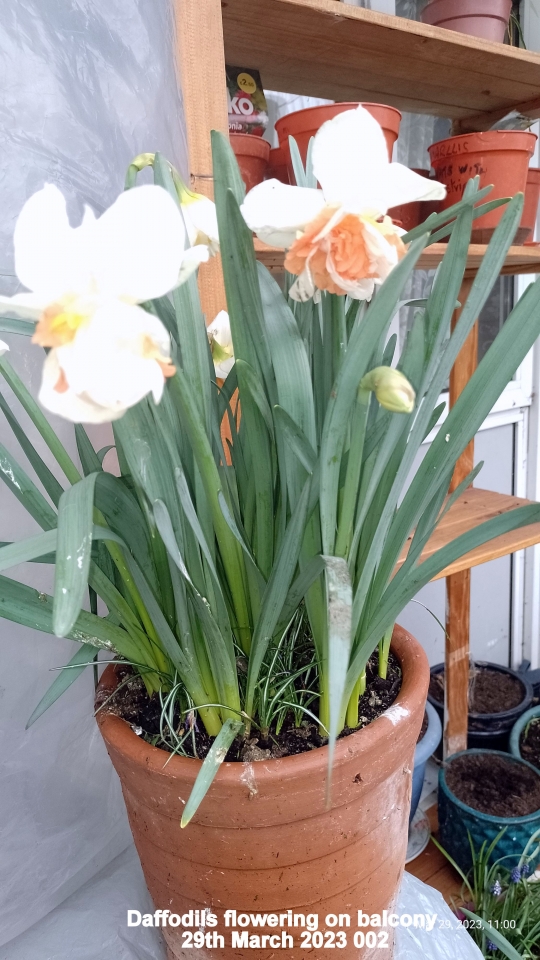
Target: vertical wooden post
458, 586
201, 71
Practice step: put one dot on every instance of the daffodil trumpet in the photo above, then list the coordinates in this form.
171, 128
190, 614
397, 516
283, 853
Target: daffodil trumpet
339, 238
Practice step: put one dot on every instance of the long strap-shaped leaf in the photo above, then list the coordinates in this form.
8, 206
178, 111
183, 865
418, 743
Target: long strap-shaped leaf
339, 605
276, 592
47, 478
26, 491
65, 678
211, 764
73, 551
31, 608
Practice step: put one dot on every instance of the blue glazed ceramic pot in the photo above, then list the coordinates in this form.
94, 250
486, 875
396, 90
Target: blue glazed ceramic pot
427, 745
456, 820
518, 729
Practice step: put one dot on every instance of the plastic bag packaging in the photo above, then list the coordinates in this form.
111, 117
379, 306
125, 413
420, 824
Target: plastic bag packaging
86, 85
448, 940
91, 925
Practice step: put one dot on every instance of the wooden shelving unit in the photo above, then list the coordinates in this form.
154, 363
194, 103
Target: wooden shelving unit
519, 259
325, 48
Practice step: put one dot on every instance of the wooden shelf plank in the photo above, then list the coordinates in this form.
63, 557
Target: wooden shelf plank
474, 507
323, 48
524, 259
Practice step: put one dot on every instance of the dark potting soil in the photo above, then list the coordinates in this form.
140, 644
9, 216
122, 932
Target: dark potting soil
494, 785
529, 743
489, 690
133, 704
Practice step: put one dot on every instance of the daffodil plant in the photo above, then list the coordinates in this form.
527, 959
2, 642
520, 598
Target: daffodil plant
265, 460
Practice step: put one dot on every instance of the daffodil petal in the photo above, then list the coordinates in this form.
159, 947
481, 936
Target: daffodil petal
276, 211
224, 368
405, 186
66, 403
137, 245
115, 359
191, 260
3, 348
200, 218
49, 259
24, 306
350, 160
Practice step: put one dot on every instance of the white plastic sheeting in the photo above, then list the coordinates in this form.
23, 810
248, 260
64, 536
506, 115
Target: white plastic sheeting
86, 85
91, 925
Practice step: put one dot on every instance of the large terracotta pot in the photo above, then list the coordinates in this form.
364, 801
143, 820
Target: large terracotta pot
252, 157
487, 19
303, 125
499, 157
262, 840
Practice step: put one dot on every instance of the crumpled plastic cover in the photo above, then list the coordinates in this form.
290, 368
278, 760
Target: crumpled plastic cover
86, 85
91, 925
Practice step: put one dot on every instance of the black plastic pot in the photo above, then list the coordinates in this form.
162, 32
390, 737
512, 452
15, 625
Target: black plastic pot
490, 731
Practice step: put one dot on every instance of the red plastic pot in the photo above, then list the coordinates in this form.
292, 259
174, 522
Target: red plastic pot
303, 125
532, 197
252, 156
498, 157
487, 19
410, 215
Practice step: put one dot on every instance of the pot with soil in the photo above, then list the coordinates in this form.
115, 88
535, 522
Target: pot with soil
497, 697
482, 792
303, 125
252, 155
487, 19
525, 737
428, 741
499, 157
263, 839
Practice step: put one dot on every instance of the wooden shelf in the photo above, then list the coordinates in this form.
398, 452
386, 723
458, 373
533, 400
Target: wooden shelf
474, 507
519, 260
323, 48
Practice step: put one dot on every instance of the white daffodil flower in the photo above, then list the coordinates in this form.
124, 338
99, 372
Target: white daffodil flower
3, 348
339, 238
85, 282
219, 335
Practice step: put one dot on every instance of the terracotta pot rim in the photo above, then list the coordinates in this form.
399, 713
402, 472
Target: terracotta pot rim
533, 175
119, 732
352, 104
483, 137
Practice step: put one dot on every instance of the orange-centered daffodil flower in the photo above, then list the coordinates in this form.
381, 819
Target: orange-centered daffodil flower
339, 238
106, 352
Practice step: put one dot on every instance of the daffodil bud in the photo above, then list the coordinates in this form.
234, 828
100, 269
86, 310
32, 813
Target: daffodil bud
143, 160
392, 389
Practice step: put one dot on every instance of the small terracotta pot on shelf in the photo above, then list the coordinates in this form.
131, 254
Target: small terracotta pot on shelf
487, 19
278, 167
498, 157
303, 125
263, 839
530, 207
252, 155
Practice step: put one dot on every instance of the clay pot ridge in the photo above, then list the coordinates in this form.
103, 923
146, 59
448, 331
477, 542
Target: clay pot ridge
269, 818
